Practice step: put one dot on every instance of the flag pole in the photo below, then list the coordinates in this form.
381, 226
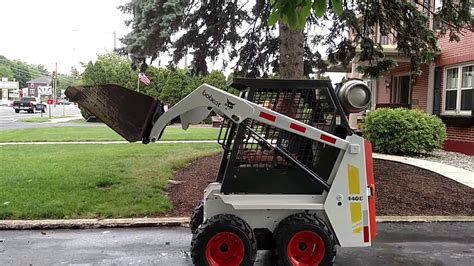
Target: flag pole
138, 81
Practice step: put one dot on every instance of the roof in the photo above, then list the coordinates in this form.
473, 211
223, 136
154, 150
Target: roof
42, 79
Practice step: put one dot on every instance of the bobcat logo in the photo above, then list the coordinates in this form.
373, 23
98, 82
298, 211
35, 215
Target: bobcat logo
229, 104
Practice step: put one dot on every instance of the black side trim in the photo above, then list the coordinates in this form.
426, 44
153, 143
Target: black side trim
458, 121
437, 90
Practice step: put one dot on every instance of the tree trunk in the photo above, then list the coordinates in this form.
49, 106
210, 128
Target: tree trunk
291, 53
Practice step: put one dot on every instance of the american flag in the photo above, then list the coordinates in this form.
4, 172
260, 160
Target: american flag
144, 79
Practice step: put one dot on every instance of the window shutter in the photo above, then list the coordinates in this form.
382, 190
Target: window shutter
438, 71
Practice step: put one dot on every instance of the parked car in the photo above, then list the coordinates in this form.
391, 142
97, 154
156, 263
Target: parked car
63, 101
28, 104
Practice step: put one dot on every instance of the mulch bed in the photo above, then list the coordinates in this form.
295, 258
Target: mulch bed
400, 189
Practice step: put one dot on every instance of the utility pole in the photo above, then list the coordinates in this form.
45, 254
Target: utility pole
115, 41
55, 84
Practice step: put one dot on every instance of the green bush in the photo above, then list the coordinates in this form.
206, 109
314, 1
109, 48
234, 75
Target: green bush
403, 132
86, 114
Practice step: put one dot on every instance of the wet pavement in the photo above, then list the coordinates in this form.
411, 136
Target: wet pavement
396, 244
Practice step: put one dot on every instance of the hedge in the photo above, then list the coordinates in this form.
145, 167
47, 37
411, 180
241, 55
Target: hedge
403, 131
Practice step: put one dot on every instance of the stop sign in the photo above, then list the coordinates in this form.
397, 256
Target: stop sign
50, 101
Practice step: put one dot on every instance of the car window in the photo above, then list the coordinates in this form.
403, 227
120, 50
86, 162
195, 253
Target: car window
28, 99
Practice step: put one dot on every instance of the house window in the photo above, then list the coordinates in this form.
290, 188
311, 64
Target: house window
467, 88
451, 89
383, 39
459, 89
426, 7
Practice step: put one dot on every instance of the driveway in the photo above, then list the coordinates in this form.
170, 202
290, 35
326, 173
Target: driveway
397, 244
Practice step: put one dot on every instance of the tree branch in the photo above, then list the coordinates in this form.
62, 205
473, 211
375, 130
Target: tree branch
436, 15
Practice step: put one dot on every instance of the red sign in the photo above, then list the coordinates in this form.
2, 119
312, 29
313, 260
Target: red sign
50, 101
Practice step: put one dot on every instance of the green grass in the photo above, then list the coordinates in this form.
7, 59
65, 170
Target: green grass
98, 134
39, 119
34, 119
90, 181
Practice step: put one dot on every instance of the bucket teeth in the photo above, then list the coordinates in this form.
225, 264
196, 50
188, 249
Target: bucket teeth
128, 112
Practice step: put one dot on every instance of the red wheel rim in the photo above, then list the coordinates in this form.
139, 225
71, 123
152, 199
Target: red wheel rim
225, 249
306, 248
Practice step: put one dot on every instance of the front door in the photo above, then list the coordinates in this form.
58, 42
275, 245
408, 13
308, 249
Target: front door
401, 90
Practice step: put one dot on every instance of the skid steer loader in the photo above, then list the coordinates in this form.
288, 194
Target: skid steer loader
294, 177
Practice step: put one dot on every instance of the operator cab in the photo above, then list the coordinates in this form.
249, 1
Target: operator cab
249, 166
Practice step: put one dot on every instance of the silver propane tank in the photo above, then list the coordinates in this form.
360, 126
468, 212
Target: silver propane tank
354, 96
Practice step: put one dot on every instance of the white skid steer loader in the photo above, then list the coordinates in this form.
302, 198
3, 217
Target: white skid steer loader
294, 177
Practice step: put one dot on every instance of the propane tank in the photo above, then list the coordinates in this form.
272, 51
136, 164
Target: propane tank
354, 96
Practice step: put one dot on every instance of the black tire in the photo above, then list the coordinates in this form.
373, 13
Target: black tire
17, 111
43, 110
307, 230
224, 239
197, 217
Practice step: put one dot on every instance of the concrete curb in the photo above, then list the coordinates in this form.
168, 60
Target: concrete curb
423, 219
91, 223
106, 142
181, 221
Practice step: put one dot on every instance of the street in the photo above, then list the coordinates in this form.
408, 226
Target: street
396, 244
8, 117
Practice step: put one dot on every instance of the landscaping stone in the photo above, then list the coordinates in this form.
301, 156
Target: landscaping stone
450, 158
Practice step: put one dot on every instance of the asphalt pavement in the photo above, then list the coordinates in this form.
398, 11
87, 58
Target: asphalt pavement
8, 117
396, 244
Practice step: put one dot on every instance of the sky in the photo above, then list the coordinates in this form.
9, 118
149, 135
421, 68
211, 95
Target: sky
66, 32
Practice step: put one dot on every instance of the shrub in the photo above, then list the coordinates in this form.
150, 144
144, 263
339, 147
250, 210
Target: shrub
86, 114
402, 131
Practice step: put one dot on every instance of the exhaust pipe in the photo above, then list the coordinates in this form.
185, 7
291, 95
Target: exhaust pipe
129, 113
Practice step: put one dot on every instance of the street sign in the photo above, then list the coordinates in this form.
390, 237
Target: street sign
12, 85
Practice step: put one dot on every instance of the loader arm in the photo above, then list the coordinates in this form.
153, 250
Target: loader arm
196, 106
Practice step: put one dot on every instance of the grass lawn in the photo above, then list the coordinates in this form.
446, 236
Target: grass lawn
39, 119
34, 119
90, 181
98, 134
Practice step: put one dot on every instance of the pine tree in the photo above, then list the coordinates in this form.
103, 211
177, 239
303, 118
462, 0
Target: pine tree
245, 32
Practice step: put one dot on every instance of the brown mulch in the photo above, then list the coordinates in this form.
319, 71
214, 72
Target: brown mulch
196, 176
407, 190
400, 189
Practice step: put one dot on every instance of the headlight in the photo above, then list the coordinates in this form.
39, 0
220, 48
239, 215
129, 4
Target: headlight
354, 96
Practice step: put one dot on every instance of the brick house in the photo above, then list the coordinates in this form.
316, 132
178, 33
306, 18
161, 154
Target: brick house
36, 85
445, 88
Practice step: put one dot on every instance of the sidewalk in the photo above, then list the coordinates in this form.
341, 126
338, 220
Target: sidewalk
462, 176
66, 119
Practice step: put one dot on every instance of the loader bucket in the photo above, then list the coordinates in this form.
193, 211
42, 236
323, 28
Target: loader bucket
127, 112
